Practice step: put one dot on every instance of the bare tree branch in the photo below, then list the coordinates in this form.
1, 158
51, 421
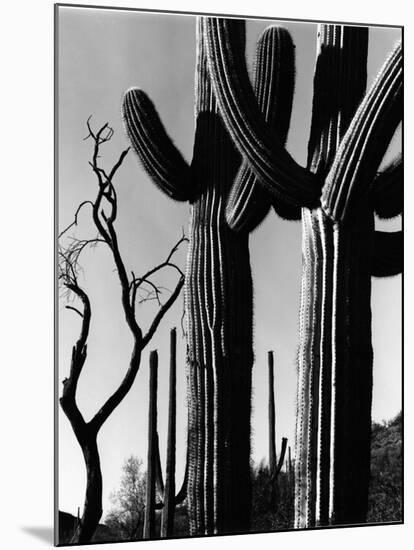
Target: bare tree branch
162, 311
75, 309
79, 352
75, 222
137, 281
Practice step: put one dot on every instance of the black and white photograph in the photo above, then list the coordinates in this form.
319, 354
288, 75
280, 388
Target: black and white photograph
229, 258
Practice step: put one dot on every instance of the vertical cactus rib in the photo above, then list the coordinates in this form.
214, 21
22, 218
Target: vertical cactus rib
388, 190
248, 203
159, 156
309, 371
388, 253
365, 141
149, 520
268, 159
325, 234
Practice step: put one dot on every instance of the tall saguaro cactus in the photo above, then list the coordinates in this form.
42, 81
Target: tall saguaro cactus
218, 296
338, 192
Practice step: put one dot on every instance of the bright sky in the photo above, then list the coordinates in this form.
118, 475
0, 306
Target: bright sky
101, 54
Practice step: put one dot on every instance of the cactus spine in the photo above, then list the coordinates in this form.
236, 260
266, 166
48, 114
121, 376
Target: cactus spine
218, 296
339, 256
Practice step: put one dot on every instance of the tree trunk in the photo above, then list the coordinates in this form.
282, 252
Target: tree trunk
92, 511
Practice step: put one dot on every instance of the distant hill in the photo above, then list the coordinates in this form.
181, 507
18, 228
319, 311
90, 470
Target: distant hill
385, 495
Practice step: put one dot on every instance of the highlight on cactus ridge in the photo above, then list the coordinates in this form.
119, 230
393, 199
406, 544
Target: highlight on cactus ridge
187, 424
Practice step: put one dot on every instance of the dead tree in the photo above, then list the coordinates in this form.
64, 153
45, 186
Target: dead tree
104, 215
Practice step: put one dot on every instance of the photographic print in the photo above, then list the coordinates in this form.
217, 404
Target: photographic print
229, 257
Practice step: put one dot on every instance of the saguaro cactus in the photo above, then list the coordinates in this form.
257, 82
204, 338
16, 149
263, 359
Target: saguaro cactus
218, 296
338, 192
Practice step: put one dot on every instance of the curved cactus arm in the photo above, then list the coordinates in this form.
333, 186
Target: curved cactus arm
268, 158
160, 158
365, 141
248, 203
342, 53
388, 190
388, 254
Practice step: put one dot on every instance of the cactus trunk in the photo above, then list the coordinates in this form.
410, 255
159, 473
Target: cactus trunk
335, 372
219, 312
219, 299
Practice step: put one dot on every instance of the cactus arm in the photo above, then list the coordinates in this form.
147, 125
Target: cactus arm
388, 190
388, 254
366, 140
268, 158
342, 53
160, 158
248, 202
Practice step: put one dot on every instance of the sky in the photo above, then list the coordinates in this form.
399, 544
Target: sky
101, 53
